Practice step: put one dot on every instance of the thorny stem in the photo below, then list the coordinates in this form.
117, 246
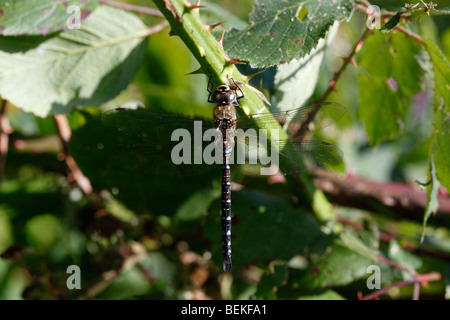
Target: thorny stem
5, 131
347, 60
76, 175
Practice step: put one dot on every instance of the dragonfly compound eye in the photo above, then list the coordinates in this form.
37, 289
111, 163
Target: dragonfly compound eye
229, 97
218, 97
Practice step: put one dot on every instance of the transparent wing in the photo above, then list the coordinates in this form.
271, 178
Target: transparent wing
292, 157
158, 159
148, 126
298, 121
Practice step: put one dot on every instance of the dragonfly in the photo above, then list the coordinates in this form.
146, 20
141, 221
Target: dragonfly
162, 151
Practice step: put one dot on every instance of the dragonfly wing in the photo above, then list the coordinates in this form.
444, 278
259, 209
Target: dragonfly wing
306, 154
299, 121
287, 156
154, 127
159, 159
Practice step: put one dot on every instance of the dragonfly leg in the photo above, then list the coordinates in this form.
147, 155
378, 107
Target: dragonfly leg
210, 87
238, 88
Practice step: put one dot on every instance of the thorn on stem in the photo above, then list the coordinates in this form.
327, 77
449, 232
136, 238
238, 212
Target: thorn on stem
248, 77
231, 61
199, 70
221, 38
212, 26
193, 6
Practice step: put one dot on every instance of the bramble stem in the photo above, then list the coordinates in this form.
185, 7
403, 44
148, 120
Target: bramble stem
347, 60
75, 174
132, 7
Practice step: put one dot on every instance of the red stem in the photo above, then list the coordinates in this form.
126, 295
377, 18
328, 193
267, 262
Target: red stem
418, 279
132, 7
76, 175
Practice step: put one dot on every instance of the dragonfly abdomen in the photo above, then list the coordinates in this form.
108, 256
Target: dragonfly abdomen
226, 216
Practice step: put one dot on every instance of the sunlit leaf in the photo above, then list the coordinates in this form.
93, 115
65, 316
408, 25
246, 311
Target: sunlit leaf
280, 31
76, 68
389, 77
41, 17
441, 150
295, 81
345, 261
197, 205
43, 231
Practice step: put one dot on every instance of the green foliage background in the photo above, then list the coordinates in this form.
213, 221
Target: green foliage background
140, 236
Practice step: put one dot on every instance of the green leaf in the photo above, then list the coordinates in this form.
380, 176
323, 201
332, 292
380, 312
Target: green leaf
432, 194
441, 137
280, 31
41, 17
197, 205
439, 161
43, 231
76, 68
322, 295
133, 281
6, 234
295, 81
258, 217
214, 13
345, 261
13, 280
271, 280
404, 258
390, 76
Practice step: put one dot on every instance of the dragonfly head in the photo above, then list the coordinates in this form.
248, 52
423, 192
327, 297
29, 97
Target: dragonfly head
224, 95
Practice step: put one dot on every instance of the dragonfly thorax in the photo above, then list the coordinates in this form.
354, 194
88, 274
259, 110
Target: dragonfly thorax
223, 95
225, 116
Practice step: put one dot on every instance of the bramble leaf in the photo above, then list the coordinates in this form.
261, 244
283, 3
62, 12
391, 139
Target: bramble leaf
441, 150
389, 77
76, 68
41, 17
280, 31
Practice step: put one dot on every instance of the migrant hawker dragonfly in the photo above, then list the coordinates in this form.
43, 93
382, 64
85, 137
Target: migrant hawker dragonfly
167, 147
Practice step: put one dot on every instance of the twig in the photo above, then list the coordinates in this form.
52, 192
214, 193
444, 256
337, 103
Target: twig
5, 131
395, 265
132, 7
410, 34
418, 279
356, 192
355, 49
387, 14
76, 175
